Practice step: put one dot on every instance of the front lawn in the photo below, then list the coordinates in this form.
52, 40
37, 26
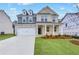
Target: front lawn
5, 36
55, 47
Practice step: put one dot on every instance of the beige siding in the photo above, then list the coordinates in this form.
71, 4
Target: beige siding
49, 18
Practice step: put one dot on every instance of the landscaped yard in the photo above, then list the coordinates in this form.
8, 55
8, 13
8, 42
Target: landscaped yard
5, 36
55, 47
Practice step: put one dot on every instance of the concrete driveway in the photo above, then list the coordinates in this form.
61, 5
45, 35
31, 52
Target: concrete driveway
19, 45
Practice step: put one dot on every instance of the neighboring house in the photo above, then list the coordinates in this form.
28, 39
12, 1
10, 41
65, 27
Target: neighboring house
5, 23
45, 22
70, 24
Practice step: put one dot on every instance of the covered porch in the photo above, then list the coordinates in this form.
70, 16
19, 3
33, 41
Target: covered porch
47, 29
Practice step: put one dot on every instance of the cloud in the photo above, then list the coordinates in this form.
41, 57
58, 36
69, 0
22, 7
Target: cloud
12, 8
24, 3
12, 12
62, 8
76, 5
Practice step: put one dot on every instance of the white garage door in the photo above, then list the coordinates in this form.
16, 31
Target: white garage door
25, 31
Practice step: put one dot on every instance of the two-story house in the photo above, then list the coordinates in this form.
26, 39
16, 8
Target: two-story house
70, 24
45, 22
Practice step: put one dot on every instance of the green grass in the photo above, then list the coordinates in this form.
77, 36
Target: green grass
55, 47
5, 36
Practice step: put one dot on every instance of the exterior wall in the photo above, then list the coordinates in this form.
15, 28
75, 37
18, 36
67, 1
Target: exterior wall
49, 17
24, 26
27, 18
72, 27
51, 29
57, 32
5, 23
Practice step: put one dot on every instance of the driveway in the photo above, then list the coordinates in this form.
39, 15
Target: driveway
19, 45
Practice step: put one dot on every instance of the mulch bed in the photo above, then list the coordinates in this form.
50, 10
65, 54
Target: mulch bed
76, 42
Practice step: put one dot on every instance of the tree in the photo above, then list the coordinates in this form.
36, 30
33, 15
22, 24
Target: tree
77, 6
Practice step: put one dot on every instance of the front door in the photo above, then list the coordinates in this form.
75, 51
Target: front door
39, 30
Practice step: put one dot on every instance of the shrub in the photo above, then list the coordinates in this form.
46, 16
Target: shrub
57, 37
76, 37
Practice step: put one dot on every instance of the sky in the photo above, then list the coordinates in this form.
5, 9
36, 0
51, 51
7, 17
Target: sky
13, 9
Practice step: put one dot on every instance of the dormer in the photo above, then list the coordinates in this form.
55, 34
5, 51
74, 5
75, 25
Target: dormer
30, 12
24, 12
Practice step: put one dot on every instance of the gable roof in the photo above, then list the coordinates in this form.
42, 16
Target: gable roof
27, 13
76, 14
47, 10
6, 15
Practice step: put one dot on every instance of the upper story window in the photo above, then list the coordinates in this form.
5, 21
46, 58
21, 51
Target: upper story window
44, 18
34, 19
30, 12
24, 12
30, 19
24, 21
53, 20
19, 19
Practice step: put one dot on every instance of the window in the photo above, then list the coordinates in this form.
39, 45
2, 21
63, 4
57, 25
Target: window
23, 20
54, 17
24, 12
66, 24
45, 17
45, 20
42, 19
55, 28
34, 19
30, 20
30, 12
27, 19
53, 20
19, 19
47, 28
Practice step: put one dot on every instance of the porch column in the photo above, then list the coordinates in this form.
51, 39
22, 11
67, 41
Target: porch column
53, 29
45, 29
36, 29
